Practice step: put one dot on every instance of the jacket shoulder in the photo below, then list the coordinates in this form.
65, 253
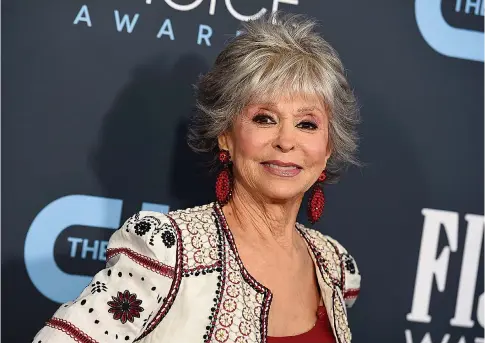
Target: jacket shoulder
149, 233
337, 261
141, 253
200, 237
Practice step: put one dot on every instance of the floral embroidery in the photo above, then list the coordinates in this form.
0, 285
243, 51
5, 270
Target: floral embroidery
125, 307
204, 217
259, 298
168, 239
244, 328
226, 320
194, 228
331, 264
233, 265
246, 312
340, 318
222, 335
234, 277
142, 228
232, 291
196, 242
240, 304
208, 227
213, 241
326, 255
201, 242
204, 256
239, 294
230, 305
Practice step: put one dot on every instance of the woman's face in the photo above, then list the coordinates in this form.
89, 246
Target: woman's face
279, 149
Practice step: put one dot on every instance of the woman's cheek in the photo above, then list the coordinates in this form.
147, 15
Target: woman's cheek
252, 140
316, 150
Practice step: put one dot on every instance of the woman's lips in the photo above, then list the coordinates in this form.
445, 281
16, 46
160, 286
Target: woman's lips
280, 168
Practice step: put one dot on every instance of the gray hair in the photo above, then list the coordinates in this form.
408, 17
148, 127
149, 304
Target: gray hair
277, 55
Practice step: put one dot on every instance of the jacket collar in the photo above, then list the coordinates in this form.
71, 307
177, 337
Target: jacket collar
327, 262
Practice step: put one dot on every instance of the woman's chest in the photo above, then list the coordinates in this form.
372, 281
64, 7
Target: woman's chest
294, 288
294, 304
225, 305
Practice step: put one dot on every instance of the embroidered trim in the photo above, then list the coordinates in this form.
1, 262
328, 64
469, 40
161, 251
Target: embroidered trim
267, 295
342, 274
351, 293
202, 269
144, 261
335, 322
170, 298
71, 330
199, 236
326, 254
221, 284
340, 283
318, 257
341, 327
340, 319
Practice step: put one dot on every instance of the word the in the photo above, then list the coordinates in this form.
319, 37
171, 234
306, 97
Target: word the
476, 7
97, 249
52, 220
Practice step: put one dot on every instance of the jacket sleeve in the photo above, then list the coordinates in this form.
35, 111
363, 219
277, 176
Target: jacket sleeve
127, 298
350, 274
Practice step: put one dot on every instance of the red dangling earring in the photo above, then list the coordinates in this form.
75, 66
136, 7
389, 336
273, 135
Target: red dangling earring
224, 179
316, 202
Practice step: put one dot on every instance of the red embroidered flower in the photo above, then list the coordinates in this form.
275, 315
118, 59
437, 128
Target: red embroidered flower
222, 335
244, 328
125, 307
232, 291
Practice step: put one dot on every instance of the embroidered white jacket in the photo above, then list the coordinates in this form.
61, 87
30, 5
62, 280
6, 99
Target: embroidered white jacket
177, 278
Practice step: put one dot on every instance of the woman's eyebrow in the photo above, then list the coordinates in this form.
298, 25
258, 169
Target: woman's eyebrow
308, 109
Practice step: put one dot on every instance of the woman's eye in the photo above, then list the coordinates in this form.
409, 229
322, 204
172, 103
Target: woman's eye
263, 119
307, 125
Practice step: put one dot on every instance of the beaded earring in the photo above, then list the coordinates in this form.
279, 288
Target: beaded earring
316, 202
224, 181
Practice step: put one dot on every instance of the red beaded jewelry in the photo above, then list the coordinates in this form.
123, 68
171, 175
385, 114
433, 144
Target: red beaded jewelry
316, 202
224, 179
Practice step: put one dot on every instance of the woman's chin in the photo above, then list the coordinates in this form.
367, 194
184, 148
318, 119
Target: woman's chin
280, 193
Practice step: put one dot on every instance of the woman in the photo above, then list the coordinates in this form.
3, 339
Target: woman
278, 113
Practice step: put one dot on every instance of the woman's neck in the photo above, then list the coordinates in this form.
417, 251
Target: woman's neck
261, 220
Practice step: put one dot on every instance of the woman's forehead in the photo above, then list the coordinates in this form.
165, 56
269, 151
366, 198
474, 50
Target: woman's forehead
304, 102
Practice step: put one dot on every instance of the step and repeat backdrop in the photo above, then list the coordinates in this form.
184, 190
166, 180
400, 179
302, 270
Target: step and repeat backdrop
95, 101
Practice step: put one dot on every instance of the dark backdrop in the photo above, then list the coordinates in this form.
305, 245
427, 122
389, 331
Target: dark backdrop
93, 126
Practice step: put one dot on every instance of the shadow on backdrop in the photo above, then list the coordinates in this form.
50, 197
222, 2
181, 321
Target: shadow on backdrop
142, 154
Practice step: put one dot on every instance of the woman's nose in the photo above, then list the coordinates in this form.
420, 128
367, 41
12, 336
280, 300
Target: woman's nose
285, 139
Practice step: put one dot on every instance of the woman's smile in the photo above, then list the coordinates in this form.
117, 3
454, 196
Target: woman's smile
280, 168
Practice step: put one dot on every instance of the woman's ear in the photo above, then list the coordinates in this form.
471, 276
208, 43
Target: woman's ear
223, 141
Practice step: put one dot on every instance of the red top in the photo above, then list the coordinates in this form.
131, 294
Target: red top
320, 333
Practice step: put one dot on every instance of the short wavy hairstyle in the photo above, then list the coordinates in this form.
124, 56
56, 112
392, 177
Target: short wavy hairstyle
272, 56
